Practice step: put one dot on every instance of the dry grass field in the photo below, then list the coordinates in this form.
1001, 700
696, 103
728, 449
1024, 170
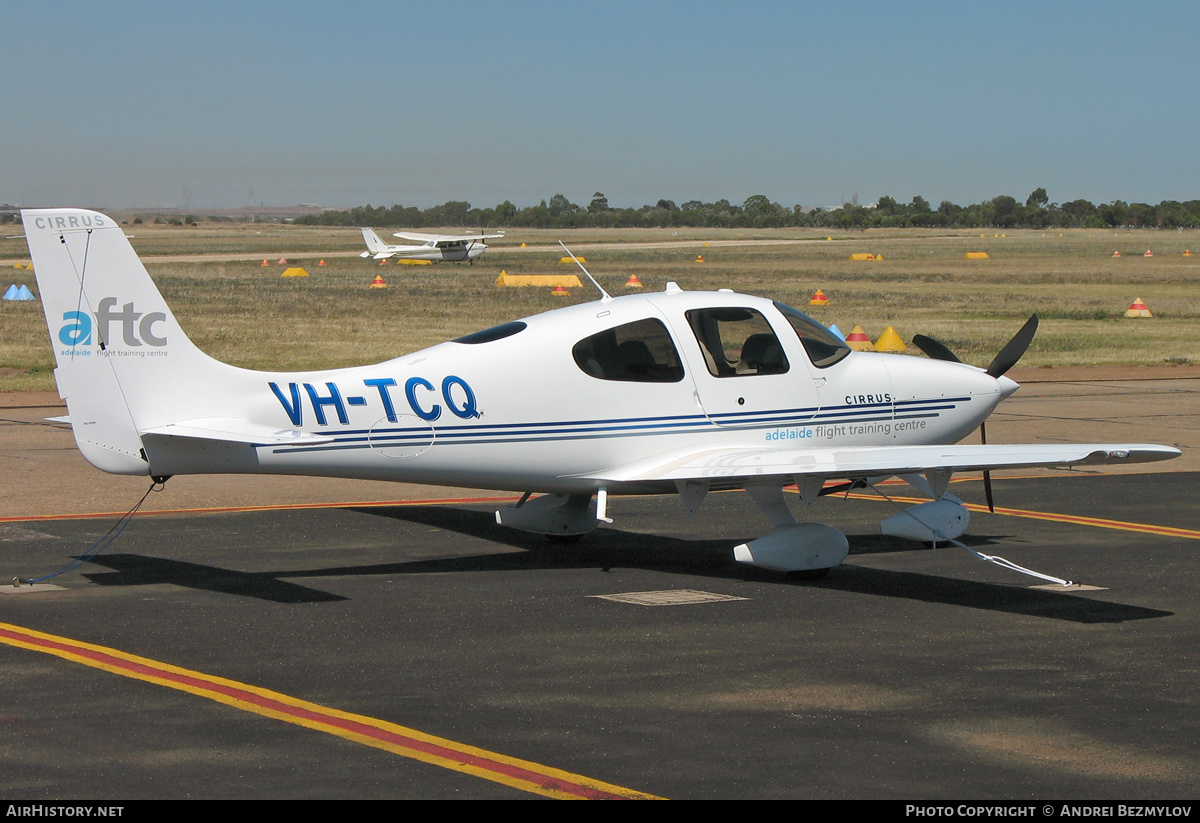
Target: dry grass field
244, 313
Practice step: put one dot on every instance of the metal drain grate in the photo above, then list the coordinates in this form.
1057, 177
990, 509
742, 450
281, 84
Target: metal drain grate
673, 597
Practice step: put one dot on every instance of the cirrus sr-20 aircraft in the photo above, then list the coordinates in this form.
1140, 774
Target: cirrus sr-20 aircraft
673, 392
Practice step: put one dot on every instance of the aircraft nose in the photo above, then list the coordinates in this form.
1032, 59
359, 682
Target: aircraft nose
1007, 387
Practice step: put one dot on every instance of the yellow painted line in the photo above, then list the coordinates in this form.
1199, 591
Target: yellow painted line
509, 771
1098, 522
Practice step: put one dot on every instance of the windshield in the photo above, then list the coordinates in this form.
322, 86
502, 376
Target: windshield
824, 348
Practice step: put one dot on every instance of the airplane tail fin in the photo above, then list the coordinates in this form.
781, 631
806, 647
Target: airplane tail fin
374, 245
124, 364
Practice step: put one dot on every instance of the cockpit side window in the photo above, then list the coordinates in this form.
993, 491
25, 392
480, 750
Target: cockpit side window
737, 341
640, 352
824, 348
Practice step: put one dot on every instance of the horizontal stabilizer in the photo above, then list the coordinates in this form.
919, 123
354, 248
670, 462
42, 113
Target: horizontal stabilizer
237, 431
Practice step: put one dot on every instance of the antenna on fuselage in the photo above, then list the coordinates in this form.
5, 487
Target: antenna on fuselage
606, 296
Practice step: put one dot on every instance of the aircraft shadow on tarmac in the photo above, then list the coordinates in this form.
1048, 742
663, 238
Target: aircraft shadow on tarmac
610, 548
140, 570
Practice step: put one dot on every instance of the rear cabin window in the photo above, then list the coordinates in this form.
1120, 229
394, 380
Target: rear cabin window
824, 348
737, 341
640, 352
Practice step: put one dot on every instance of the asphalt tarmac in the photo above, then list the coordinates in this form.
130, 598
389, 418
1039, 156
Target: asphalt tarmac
375, 642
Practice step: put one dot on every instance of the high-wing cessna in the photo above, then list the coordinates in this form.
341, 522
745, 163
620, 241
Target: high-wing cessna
436, 247
675, 392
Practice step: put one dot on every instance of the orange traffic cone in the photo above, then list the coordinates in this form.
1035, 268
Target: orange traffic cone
819, 299
559, 291
378, 283
1138, 309
633, 282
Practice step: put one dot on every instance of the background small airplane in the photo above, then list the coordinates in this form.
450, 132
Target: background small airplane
436, 247
674, 392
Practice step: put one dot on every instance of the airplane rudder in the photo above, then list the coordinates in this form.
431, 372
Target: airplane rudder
96, 293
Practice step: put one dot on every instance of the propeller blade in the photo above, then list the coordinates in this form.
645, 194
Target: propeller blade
934, 349
987, 475
1012, 351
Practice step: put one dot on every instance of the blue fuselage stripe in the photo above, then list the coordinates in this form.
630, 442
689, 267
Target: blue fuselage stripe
477, 434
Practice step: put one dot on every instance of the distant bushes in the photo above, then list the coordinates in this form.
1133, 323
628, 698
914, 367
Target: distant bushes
759, 212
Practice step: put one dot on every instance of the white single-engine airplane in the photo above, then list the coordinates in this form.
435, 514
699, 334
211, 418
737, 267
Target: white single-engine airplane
674, 392
435, 247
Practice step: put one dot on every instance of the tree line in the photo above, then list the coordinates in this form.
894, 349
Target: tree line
759, 212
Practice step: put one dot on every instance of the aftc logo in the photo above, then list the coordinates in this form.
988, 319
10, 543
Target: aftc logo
137, 329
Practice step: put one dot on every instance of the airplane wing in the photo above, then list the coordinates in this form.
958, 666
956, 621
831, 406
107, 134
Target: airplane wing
735, 466
419, 237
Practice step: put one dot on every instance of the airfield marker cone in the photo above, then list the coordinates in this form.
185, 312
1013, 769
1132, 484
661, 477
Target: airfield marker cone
819, 299
265, 263
857, 339
283, 261
890, 341
1138, 309
383, 262
559, 291
1148, 253
322, 263
378, 283
699, 258
1187, 253
1116, 254
633, 282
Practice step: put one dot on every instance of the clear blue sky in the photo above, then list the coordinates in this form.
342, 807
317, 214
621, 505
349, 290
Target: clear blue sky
130, 103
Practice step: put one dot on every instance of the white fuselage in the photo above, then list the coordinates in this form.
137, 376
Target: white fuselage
521, 412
